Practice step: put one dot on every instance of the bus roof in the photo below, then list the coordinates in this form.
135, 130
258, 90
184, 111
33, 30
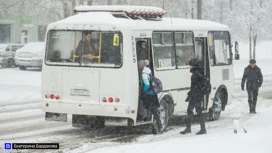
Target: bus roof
89, 19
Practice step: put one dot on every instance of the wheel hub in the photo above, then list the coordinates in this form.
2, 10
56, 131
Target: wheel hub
217, 105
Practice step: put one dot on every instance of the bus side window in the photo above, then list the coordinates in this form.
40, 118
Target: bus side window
219, 48
184, 48
164, 54
213, 58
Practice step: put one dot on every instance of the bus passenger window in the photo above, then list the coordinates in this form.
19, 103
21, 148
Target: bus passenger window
164, 55
184, 48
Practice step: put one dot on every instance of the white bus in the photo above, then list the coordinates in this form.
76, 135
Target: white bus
105, 90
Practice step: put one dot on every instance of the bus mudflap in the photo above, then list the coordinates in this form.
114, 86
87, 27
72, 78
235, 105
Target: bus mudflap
55, 117
114, 121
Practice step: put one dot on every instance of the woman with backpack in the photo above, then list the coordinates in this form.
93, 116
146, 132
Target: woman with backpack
149, 97
195, 97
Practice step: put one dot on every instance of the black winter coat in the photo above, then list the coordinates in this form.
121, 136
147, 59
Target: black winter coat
253, 78
197, 79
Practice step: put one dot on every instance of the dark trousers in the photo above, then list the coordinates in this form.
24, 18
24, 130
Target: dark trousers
195, 102
151, 102
252, 100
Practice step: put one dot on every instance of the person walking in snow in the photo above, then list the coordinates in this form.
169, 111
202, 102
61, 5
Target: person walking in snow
195, 97
149, 97
254, 79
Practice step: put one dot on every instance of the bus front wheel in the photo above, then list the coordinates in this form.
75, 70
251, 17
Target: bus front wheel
215, 110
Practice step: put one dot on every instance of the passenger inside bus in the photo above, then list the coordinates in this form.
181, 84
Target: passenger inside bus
181, 58
55, 56
142, 50
86, 48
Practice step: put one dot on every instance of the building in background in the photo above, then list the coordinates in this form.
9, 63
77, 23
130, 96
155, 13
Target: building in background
20, 29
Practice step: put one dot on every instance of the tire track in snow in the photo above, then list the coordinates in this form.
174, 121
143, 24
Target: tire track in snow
19, 107
20, 116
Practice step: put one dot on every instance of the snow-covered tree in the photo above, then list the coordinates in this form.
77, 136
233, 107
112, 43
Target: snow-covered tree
245, 21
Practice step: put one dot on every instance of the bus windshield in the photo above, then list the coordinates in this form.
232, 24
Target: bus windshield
84, 48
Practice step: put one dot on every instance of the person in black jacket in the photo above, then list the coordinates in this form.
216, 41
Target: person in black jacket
254, 79
195, 97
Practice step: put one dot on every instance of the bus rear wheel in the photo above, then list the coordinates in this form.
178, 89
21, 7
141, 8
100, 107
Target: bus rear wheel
164, 113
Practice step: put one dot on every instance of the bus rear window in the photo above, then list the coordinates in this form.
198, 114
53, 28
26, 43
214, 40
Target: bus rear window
84, 48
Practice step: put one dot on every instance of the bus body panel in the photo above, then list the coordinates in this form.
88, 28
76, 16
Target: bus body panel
177, 83
219, 78
100, 82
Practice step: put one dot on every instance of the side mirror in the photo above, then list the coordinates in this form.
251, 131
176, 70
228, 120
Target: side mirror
236, 47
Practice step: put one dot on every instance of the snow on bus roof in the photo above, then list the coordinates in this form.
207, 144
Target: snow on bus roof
107, 19
193, 23
129, 10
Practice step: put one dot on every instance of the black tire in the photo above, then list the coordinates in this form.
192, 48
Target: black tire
164, 114
215, 111
10, 63
22, 67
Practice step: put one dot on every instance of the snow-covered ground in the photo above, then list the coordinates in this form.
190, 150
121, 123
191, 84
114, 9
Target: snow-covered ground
21, 120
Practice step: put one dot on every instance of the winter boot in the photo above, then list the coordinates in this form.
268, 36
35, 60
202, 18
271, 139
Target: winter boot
185, 131
251, 106
202, 131
254, 107
254, 111
188, 127
202, 127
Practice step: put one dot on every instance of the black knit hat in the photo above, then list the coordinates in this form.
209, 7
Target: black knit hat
252, 61
194, 62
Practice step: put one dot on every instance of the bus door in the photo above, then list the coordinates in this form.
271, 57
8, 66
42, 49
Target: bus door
143, 50
202, 56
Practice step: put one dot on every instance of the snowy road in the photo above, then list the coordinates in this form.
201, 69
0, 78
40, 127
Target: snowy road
22, 119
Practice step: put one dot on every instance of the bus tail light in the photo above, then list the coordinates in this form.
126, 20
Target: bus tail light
104, 99
47, 96
110, 99
46, 104
52, 96
117, 100
57, 96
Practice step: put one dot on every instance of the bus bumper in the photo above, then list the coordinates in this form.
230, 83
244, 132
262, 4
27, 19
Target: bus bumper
105, 110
